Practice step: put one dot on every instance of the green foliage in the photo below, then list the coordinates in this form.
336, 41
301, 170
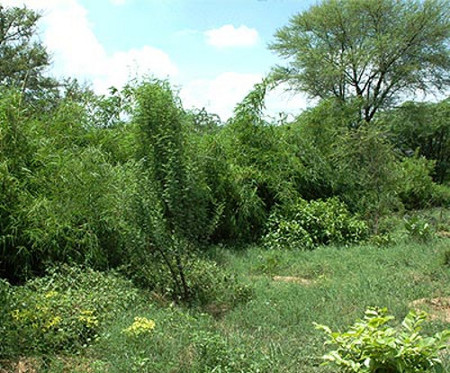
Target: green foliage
447, 258
368, 50
212, 284
419, 229
422, 128
174, 208
338, 158
308, 224
371, 345
207, 282
216, 354
417, 185
159, 116
23, 59
6, 323
65, 199
65, 309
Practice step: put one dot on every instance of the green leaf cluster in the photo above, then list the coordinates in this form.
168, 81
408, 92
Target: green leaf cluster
371, 345
306, 225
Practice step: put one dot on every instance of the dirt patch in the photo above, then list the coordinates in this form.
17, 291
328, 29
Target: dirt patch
293, 279
443, 234
437, 308
25, 365
217, 310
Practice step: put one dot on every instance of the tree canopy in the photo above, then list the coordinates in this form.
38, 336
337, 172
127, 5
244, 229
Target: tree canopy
372, 50
23, 59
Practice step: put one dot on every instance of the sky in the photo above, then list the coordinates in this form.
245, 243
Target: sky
212, 51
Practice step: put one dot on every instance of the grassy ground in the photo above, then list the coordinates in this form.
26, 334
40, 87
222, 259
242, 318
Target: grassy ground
273, 332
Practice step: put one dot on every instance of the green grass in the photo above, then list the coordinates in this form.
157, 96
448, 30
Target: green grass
273, 332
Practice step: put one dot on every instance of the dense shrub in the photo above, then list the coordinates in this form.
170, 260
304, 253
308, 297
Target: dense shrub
422, 127
417, 189
207, 282
65, 309
341, 158
308, 224
64, 199
7, 346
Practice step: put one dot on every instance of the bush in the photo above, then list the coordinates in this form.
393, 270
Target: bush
372, 346
417, 189
207, 282
215, 354
447, 258
419, 229
7, 346
64, 310
441, 195
308, 224
210, 283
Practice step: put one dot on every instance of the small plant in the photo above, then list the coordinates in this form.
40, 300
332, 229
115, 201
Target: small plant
141, 325
372, 346
270, 263
381, 240
216, 354
419, 229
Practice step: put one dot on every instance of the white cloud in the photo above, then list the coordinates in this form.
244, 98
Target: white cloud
134, 63
221, 94
76, 51
279, 100
218, 95
229, 36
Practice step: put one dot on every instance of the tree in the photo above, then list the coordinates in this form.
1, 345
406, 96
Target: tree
372, 50
423, 129
23, 59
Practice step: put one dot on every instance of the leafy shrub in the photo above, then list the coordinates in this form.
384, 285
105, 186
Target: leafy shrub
308, 224
7, 346
447, 258
207, 282
441, 195
419, 229
372, 346
215, 354
381, 240
269, 264
417, 189
64, 310
423, 128
210, 283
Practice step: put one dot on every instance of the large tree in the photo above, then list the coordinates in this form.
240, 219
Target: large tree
23, 59
371, 50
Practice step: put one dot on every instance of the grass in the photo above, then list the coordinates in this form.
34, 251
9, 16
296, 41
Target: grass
273, 332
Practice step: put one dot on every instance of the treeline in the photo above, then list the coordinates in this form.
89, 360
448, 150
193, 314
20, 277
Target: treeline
135, 182
121, 180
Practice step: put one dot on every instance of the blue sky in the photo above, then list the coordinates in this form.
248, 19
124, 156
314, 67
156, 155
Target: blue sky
212, 50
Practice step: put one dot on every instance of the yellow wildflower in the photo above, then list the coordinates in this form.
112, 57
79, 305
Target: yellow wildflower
55, 321
51, 294
88, 318
141, 325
